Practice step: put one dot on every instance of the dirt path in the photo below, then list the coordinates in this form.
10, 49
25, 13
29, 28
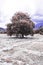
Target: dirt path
27, 51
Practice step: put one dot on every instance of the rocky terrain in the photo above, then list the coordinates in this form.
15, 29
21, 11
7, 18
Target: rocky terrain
18, 51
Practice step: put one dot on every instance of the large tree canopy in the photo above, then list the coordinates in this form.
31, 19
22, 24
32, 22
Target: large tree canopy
20, 24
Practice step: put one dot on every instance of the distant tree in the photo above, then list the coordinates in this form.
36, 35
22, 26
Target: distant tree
20, 24
41, 30
9, 30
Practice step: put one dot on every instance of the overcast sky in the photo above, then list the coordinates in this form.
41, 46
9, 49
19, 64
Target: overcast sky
9, 7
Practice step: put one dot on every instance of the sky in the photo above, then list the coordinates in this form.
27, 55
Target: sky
9, 7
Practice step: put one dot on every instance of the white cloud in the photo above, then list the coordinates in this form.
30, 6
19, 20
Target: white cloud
9, 7
39, 6
38, 17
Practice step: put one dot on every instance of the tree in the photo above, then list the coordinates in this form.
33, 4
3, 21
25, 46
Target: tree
41, 30
20, 24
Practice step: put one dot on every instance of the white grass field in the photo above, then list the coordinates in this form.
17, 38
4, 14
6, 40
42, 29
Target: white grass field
16, 51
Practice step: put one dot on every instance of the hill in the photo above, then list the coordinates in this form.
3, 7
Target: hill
2, 30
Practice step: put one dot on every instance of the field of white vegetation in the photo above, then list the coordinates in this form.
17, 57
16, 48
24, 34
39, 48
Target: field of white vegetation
26, 51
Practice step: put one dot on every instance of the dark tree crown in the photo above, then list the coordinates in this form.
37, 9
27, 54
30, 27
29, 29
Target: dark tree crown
20, 24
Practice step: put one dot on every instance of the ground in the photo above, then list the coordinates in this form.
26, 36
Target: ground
16, 51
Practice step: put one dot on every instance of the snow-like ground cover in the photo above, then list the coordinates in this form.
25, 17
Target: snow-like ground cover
16, 51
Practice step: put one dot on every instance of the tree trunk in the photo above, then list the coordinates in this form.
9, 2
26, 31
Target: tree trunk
22, 36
